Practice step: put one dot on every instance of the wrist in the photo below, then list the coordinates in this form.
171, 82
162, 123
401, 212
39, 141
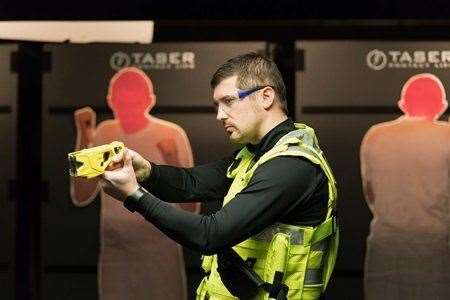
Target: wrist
131, 190
131, 202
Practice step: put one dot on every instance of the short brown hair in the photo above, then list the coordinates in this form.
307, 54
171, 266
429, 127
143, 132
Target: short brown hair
253, 69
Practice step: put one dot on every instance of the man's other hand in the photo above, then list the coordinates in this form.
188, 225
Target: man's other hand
141, 166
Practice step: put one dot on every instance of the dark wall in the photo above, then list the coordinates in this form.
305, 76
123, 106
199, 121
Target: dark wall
8, 96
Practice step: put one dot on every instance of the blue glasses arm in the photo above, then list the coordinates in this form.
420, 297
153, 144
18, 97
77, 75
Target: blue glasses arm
245, 93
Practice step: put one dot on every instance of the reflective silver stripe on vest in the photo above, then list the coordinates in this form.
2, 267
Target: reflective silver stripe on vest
296, 236
304, 135
313, 276
320, 246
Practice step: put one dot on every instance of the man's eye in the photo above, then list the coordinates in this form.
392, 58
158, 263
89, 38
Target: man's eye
229, 101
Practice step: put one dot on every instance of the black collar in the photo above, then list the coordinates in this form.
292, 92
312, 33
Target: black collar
271, 138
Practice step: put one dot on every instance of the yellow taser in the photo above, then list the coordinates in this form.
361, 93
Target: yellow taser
91, 162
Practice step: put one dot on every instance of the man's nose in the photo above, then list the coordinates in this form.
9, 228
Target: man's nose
221, 115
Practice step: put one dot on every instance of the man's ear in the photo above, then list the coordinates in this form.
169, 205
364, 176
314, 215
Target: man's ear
268, 97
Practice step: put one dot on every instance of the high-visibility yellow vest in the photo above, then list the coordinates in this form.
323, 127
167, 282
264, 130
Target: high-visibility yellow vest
304, 255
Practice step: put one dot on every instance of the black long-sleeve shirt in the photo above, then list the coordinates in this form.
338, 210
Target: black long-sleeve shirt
285, 189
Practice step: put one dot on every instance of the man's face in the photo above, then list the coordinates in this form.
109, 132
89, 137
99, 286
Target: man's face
242, 117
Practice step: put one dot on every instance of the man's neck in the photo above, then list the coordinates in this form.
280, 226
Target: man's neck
271, 138
267, 126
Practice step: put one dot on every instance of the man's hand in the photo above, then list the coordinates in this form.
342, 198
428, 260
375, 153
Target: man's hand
141, 166
119, 180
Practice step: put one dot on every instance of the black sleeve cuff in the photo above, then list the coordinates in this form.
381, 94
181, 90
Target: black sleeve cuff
132, 202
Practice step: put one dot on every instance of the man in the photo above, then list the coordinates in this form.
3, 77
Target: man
405, 174
276, 234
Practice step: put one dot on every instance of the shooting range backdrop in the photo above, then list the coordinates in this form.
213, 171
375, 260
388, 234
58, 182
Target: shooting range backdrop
341, 88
